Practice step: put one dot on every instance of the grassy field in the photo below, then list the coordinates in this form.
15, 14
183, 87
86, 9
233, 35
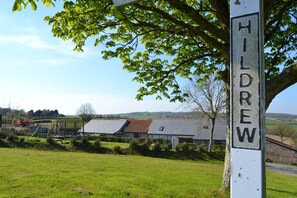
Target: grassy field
34, 173
270, 123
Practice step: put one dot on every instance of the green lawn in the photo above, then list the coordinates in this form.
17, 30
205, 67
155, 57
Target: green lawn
35, 173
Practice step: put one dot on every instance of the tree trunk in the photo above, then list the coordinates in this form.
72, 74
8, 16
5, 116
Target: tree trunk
213, 121
227, 162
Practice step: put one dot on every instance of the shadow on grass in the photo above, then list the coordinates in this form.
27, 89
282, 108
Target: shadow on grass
184, 155
56, 146
89, 148
3, 143
214, 194
294, 194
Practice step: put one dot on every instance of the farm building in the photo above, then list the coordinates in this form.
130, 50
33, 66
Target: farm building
104, 127
175, 130
137, 128
203, 135
187, 130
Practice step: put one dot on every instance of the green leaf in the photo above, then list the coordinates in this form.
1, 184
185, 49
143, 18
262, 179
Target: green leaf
48, 3
17, 5
33, 4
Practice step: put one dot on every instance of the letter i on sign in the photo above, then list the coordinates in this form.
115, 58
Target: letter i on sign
247, 99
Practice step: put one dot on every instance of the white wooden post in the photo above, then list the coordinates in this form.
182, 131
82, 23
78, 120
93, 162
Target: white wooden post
247, 99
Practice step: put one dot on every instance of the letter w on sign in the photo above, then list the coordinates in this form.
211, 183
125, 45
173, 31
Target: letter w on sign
246, 132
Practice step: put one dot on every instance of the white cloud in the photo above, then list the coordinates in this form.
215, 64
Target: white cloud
38, 51
38, 62
37, 42
28, 41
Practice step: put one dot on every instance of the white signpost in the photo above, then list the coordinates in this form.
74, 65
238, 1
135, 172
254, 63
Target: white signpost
247, 99
119, 3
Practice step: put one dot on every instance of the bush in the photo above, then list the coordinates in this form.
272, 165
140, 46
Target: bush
11, 138
139, 147
85, 142
156, 147
133, 145
42, 121
202, 149
167, 147
97, 143
178, 148
185, 147
50, 141
34, 141
161, 141
73, 142
218, 147
2, 135
3, 143
117, 149
22, 139
112, 139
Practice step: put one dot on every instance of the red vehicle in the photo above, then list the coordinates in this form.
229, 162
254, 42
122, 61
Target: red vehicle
22, 122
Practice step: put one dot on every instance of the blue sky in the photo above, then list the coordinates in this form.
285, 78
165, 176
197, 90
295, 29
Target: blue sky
39, 71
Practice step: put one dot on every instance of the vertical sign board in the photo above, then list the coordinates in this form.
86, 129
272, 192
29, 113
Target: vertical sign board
247, 99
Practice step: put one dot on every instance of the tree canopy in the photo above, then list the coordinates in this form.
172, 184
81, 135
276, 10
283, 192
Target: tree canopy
86, 112
284, 131
208, 97
180, 38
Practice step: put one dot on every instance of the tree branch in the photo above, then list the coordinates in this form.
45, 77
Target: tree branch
273, 24
221, 8
204, 25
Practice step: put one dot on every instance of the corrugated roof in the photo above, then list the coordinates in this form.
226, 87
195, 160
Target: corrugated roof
104, 126
137, 126
174, 127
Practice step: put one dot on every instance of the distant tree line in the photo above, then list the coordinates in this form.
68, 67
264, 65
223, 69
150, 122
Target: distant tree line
12, 112
20, 113
4, 111
44, 113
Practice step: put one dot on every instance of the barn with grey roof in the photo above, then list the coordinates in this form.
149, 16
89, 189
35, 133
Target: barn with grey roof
104, 127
